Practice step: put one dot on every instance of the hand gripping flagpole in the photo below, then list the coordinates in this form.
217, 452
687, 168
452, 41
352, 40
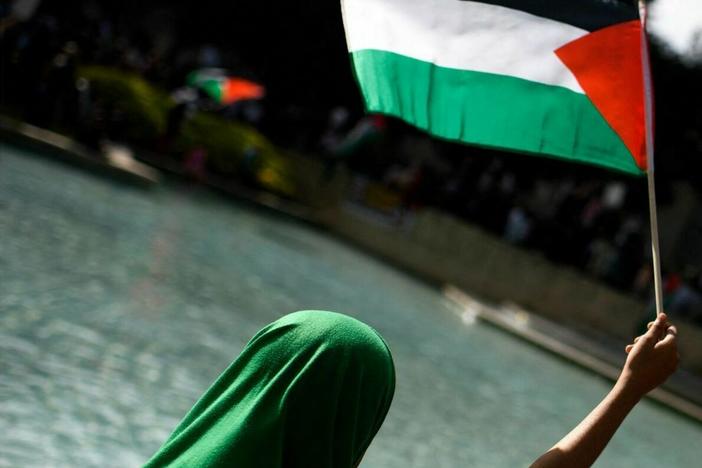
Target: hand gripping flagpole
648, 112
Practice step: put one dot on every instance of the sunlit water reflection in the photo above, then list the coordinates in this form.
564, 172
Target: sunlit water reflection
119, 306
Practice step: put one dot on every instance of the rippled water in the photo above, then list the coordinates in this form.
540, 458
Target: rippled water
119, 306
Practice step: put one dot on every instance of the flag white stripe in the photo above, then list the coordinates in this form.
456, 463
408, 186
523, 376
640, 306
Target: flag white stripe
463, 35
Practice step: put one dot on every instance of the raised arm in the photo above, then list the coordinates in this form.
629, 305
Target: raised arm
652, 359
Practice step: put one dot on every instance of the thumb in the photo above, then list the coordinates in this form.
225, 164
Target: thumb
657, 330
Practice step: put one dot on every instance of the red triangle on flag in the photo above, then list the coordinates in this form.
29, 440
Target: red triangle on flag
607, 64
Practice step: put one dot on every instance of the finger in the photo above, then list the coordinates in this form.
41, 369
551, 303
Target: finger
636, 340
670, 338
656, 331
649, 325
669, 330
628, 348
661, 318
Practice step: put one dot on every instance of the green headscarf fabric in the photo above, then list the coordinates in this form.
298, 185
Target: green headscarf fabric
309, 390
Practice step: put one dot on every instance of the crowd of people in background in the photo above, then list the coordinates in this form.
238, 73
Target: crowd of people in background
588, 219
41, 55
593, 223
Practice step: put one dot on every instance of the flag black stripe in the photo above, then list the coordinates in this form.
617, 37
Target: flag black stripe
590, 15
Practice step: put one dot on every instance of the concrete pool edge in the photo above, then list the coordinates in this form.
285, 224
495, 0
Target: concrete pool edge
66, 149
541, 332
147, 170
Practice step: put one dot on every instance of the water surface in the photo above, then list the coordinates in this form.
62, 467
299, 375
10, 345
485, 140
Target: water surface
119, 306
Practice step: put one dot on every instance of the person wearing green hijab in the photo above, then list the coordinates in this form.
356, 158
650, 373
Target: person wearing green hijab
309, 390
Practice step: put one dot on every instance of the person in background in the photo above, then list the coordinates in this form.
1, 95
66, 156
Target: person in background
312, 389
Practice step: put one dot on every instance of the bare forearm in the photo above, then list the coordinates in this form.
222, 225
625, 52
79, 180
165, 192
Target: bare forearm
582, 446
651, 359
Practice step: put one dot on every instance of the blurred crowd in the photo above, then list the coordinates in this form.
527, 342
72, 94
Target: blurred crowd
586, 218
44, 45
41, 53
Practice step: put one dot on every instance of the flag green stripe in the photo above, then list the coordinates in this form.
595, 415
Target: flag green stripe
490, 110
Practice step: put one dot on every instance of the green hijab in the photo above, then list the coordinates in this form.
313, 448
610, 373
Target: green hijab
309, 390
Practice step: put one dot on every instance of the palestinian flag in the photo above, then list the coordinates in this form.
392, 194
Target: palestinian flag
561, 78
224, 89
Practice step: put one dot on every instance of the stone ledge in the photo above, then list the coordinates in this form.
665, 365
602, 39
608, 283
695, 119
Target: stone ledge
67, 149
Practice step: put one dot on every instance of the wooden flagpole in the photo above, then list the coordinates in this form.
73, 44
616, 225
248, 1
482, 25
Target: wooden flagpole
648, 112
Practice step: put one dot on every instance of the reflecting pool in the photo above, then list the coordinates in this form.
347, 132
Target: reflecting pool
119, 306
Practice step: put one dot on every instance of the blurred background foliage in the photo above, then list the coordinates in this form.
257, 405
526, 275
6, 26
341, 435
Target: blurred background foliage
232, 148
144, 107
